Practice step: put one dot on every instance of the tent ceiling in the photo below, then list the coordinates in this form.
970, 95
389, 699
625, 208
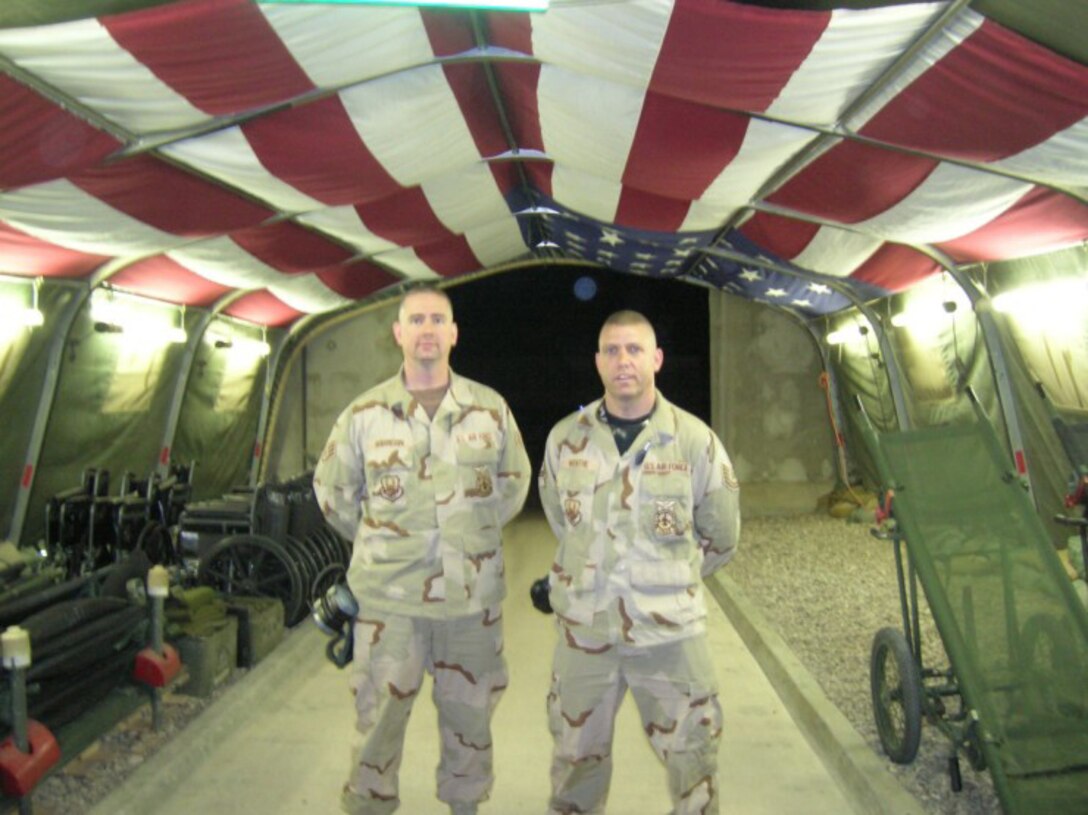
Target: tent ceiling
279, 160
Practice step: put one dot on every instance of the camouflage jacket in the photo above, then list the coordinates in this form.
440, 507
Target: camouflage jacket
637, 532
424, 500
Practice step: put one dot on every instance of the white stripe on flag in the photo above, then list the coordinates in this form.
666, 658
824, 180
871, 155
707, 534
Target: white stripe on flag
955, 32
406, 262
852, 52
228, 156
62, 213
1062, 159
83, 60
837, 252
337, 45
951, 202
587, 124
412, 124
222, 261
618, 42
598, 61
497, 242
344, 224
766, 147
466, 198
306, 292
586, 193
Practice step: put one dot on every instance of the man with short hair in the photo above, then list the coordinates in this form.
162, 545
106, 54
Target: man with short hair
644, 502
422, 471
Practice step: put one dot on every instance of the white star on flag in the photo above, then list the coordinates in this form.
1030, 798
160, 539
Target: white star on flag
611, 237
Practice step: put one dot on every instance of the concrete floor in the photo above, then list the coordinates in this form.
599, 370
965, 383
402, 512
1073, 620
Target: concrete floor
277, 742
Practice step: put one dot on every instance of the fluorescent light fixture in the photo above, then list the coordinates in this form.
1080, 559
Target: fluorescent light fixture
1058, 308
238, 345
926, 320
14, 320
496, 5
15, 315
137, 321
847, 335
31, 317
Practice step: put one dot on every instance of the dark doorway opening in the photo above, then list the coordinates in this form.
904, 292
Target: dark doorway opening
531, 334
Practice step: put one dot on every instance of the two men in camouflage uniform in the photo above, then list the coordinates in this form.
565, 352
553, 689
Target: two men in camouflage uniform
644, 502
422, 472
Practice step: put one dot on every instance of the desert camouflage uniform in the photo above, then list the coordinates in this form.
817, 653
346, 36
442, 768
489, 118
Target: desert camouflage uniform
637, 533
425, 501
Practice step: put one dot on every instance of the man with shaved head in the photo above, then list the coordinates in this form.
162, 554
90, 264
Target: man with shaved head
644, 502
422, 472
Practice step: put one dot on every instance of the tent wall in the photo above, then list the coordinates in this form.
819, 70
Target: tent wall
937, 365
111, 405
768, 407
217, 427
340, 361
24, 361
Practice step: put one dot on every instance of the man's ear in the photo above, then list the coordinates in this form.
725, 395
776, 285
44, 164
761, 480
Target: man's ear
453, 334
659, 359
396, 331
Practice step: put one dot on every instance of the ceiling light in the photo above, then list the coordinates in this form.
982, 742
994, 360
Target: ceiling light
848, 335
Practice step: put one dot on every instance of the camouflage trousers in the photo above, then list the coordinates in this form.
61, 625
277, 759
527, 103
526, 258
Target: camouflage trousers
674, 688
464, 655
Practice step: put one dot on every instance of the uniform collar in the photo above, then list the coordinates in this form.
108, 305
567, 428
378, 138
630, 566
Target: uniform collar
661, 426
403, 404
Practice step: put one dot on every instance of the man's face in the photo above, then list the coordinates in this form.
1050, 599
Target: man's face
627, 359
425, 330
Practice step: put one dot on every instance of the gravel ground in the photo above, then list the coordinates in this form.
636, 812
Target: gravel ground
827, 586
91, 776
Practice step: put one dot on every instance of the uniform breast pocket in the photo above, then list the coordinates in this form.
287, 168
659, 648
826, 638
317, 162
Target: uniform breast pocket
477, 468
665, 506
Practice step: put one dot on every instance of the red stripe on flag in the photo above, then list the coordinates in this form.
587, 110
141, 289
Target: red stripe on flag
263, 308
895, 267
28, 476
221, 55
733, 55
40, 141
164, 455
356, 280
448, 34
406, 218
512, 31
168, 198
317, 149
866, 182
288, 247
26, 255
639, 209
449, 257
1041, 221
680, 147
518, 87
470, 89
783, 237
165, 279
993, 96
